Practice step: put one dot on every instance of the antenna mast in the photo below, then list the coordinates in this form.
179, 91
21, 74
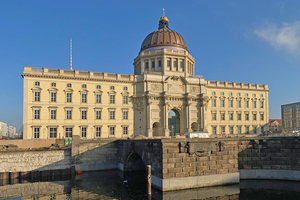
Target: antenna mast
71, 54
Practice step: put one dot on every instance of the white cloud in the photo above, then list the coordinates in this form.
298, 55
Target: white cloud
284, 38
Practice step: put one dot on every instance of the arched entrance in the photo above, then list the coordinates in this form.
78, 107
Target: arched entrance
174, 122
156, 129
194, 126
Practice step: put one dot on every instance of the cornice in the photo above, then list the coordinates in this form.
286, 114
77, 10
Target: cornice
232, 88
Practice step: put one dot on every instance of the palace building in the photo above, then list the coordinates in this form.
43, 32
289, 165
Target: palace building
164, 97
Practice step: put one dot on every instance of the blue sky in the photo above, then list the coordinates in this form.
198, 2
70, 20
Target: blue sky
238, 41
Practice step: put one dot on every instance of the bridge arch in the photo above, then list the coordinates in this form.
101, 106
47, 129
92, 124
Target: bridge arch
134, 162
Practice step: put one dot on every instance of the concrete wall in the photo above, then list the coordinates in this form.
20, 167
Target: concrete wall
34, 143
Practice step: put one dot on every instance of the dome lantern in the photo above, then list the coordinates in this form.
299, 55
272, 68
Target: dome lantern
163, 21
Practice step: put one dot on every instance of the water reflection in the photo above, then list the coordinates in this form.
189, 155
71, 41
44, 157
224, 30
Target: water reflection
111, 185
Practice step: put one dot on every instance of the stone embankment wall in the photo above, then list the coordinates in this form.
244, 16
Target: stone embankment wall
25, 161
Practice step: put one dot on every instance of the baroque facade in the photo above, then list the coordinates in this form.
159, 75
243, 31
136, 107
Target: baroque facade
164, 97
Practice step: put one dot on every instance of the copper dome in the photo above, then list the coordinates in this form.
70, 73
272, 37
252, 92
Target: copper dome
163, 36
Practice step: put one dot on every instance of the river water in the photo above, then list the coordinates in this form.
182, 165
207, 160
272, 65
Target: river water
113, 184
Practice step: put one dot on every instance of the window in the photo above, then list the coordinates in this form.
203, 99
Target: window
37, 83
181, 64
230, 94
83, 131
246, 94
174, 63
146, 65
230, 116
261, 104
262, 129
98, 131
69, 97
111, 130
52, 114
36, 114
98, 87
230, 103
214, 129
53, 84
222, 103
111, 114
254, 130
37, 96
214, 116
239, 103
83, 86
53, 96
254, 116
254, 95
222, 93
52, 132
153, 64
36, 132
159, 63
239, 116
112, 87
213, 93
112, 99
69, 114
69, 85
231, 129
125, 114
213, 103
125, 99
254, 104
125, 130
223, 129
83, 98
83, 114
68, 132
222, 116
125, 88
98, 98
169, 64
239, 130
98, 114
246, 116
246, 104
247, 129
239, 94
261, 116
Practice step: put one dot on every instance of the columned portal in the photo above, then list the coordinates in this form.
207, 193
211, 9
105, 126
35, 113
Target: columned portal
174, 122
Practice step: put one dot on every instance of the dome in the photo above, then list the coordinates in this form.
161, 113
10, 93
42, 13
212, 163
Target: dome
163, 36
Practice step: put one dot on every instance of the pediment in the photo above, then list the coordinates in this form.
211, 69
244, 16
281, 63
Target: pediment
175, 84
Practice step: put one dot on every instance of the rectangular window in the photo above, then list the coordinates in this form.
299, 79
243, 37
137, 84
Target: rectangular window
36, 132
83, 114
69, 114
36, 114
262, 129
83, 131
214, 116
83, 98
125, 130
69, 97
112, 115
98, 98
239, 130
247, 104
246, 116
159, 63
247, 129
153, 64
181, 64
112, 99
230, 116
125, 114
262, 116
254, 104
146, 65
52, 114
239, 103
230, 103
231, 129
53, 96
222, 103
169, 64
37, 96
254, 130
98, 131
98, 114
111, 130
261, 104
222, 116
175, 63
213, 103
223, 129
254, 116
125, 99
53, 132
68, 132
239, 116
214, 130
